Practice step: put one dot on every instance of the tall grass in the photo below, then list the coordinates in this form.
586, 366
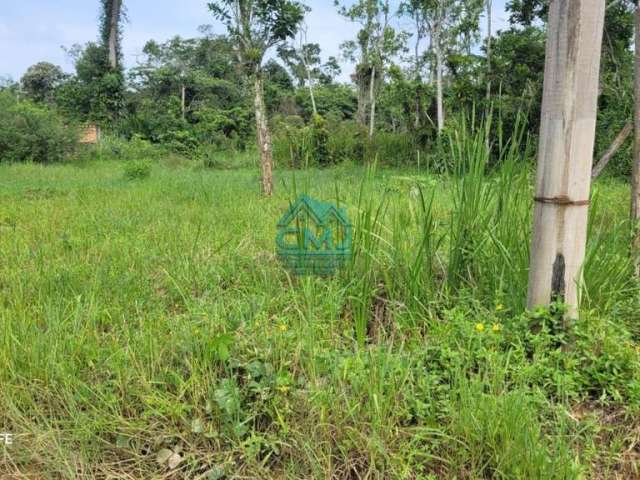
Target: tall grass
413, 249
152, 316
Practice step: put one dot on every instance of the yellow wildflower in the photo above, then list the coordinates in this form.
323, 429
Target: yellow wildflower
480, 327
283, 327
284, 388
496, 327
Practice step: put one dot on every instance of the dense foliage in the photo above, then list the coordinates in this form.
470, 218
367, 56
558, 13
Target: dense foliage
193, 97
33, 133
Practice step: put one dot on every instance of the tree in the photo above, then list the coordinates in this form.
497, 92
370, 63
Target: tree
635, 174
256, 26
527, 12
489, 6
189, 94
41, 80
373, 50
330, 70
112, 14
450, 25
7, 83
413, 9
304, 62
176, 58
567, 134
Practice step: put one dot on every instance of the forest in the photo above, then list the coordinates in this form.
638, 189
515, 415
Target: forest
483, 321
192, 97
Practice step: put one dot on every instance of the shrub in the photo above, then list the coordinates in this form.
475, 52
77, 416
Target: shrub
292, 142
118, 148
320, 140
137, 169
323, 143
33, 133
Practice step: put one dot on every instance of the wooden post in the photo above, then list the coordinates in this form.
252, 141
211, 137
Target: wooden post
567, 131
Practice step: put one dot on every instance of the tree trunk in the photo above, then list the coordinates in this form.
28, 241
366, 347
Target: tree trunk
263, 138
439, 101
313, 97
635, 175
567, 131
416, 118
362, 75
437, 45
114, 20
372, 96
183, 95
489, 8
611, 151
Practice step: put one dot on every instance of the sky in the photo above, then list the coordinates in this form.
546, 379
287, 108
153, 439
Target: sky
36, 30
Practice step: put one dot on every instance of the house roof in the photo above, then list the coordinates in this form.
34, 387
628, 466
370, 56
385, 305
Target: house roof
319, 211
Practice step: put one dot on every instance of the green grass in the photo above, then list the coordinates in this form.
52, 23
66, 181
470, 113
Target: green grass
145, 323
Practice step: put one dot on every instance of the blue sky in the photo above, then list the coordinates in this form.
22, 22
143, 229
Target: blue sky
35, 30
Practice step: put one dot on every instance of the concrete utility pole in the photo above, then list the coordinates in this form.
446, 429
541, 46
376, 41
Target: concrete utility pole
567, 131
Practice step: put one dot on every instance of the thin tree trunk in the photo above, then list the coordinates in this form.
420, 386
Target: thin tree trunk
489, 8
363, 69
611, 151
113, 33
313, 97
635, 175
567, 131
263, 137
305, 63
363, 93
416, 120
183, 94
372, 116
437, 45
439, 101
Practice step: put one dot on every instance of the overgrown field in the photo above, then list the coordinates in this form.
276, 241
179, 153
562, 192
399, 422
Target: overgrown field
147, 330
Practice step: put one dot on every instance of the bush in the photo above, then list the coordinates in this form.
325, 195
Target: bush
137, 169
211, 156
320, 141
33, 133
323, 143
118, 148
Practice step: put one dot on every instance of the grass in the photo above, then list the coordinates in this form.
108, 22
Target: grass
147, 330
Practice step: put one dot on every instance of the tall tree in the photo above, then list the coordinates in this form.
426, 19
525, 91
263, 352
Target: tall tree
413, 10
111, 31
256, 26
489, 6
635, 174
176, 55
375, 46
40, 81
567, 133
450, 25
303, 60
